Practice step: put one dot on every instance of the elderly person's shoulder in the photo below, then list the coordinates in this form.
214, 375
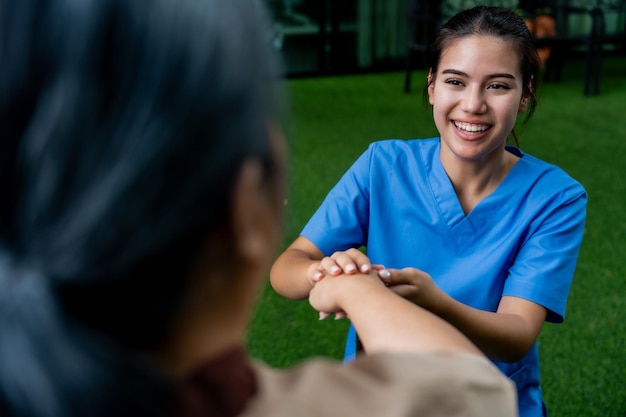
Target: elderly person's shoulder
434, 384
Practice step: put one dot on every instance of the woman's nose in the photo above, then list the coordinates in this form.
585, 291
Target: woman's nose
473, 100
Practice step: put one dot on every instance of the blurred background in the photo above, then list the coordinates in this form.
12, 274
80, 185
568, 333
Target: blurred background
320, 37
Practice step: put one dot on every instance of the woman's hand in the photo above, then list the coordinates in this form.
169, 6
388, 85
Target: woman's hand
347, 262
414, 285
326, 295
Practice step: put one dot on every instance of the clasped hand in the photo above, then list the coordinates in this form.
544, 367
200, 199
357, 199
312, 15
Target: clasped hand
410, 283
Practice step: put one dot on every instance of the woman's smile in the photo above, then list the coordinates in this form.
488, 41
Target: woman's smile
472, 130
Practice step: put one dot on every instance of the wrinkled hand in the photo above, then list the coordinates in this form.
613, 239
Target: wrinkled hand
414, 285
325, 294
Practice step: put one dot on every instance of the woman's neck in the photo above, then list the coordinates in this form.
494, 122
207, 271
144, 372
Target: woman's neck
211, 321
476, 179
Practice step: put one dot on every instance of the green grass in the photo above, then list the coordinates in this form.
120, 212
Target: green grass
334, 119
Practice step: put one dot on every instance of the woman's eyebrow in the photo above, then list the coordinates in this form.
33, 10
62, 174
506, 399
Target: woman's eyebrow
463, 74
502, 75
454, 72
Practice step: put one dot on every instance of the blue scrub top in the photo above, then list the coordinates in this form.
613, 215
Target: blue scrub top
522, 240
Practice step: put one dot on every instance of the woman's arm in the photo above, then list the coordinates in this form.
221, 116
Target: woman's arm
385, 321
505, 335
303, 264
289, 275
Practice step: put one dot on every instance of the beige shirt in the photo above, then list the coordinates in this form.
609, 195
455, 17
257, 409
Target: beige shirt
386, 385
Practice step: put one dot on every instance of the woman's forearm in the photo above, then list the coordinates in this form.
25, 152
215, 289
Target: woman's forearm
505, 335
385, 321
288, 275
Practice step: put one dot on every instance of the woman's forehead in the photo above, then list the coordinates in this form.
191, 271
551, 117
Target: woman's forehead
480, 53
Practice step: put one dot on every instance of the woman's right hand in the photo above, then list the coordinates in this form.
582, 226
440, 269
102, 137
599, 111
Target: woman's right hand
347, 262
303, 264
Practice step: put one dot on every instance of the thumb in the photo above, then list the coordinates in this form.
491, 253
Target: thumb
395, 276
385, 276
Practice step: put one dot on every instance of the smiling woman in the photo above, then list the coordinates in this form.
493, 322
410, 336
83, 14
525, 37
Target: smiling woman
478, 232
476, 94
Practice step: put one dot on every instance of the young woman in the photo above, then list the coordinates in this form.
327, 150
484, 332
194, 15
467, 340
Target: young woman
142, 176
475, 231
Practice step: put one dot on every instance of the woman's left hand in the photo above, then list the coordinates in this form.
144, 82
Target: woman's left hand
414, 285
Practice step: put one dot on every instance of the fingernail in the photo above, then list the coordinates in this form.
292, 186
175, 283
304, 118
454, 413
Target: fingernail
335, 270
318, 276
384, 274
350, 268
365, 268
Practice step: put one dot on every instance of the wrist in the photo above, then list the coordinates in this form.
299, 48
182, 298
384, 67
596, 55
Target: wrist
352, 290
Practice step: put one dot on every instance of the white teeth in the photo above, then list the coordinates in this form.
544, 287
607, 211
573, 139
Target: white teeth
468, 127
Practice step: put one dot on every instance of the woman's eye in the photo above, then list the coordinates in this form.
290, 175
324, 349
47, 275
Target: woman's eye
454, 82
498, 86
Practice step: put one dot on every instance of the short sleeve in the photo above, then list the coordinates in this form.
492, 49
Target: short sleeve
341, 221
544, 266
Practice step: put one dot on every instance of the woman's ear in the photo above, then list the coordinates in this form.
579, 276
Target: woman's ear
526, 95
431, 86
523, 104
248, 213
257, 205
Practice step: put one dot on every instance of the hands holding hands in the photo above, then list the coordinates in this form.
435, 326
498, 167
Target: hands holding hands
331, 294
325, 275
349, 262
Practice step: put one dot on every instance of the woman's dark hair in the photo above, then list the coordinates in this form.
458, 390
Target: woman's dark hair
491, 21
124, 124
